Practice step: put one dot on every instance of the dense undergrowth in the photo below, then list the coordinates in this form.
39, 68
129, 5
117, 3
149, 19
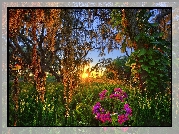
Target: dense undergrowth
146, 110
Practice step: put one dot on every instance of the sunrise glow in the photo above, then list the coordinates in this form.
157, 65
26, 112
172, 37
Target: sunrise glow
93, 74
84, 75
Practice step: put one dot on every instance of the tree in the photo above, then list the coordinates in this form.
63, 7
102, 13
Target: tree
151, 44
46, 40
27, 26
118, 70
31, 22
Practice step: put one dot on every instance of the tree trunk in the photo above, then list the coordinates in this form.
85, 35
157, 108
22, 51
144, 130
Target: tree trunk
40, 85
58, 77
39, 75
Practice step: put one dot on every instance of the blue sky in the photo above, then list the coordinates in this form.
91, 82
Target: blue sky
114, 54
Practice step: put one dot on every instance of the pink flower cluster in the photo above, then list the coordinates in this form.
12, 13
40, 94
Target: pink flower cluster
100, 113
102, 94
104, 116
124, 117
128, 109
119, 94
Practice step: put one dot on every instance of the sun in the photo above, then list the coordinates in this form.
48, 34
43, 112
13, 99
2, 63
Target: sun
84, 75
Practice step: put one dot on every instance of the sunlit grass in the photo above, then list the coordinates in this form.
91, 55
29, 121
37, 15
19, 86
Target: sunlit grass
146, 109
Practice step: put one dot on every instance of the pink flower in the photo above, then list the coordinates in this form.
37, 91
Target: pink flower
117, 90
98, 115
121, 119
128, 109
102, 94
105, 117
126, 105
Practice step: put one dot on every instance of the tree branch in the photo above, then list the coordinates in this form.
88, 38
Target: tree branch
162, 15
57, 76
126, 53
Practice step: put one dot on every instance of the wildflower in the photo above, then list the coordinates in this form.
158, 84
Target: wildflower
125, 95
126, 105
102, 118
108, 117
105, 117
102, 110
128, 109
96, 108
111, 96
126, 117
117, 90
121, 119
121, 98
98, 115
119, 94
114, 95
102, 94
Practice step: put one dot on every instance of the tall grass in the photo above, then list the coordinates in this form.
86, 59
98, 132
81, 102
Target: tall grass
146, 110
34, 113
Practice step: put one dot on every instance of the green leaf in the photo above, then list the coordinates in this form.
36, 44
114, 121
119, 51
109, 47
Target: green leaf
152, 62
155, 42
161, 75
154, 24
129, 62
150, 52
154, 78
152, 38
144, 67
114, 119
151, 72
160, 34
140, 60
150, 57
137, 38
142, 52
